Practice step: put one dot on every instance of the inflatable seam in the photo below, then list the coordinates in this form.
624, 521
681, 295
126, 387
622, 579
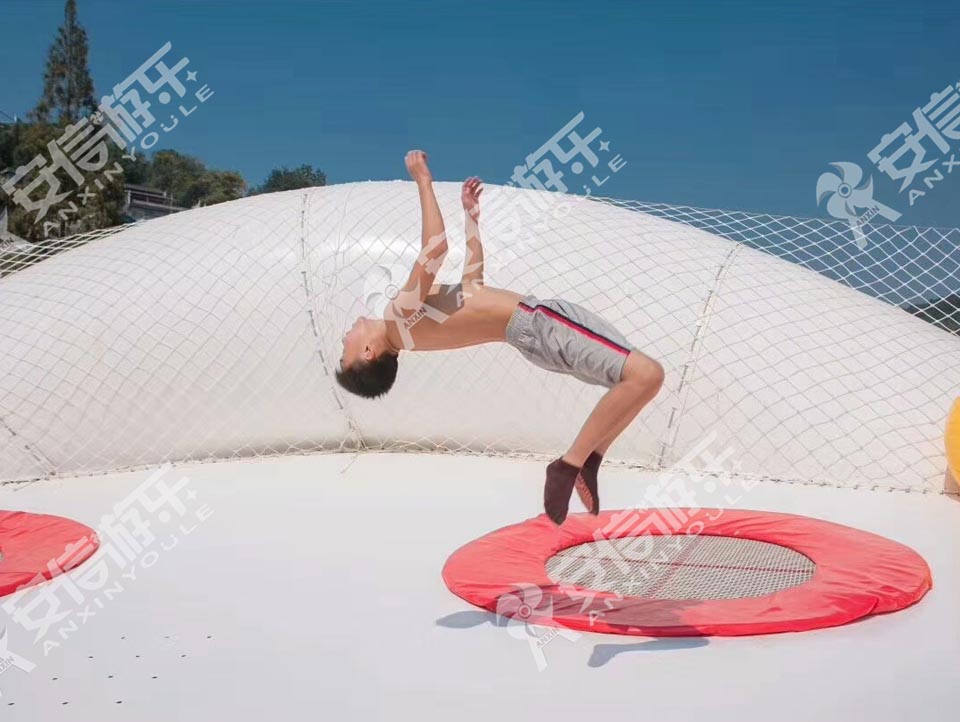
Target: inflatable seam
693, 358
312, 313
46, 468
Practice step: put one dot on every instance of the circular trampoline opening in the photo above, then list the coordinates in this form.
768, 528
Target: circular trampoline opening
681, 567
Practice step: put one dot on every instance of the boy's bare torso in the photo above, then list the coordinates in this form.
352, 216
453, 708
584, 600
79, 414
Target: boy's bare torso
452, 317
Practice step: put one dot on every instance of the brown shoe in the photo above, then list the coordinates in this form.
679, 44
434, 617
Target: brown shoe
586, 484
558, 489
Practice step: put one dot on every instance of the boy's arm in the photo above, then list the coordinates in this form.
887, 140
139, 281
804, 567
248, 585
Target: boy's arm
473, 263
433, 242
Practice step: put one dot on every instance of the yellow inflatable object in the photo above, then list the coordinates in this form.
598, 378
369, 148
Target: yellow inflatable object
953, 441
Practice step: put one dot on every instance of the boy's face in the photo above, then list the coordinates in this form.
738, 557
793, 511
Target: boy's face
356, 343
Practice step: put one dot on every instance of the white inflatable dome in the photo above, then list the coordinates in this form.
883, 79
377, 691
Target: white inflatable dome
215, 333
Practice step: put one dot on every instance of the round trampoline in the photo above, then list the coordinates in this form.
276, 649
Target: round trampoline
687, 572
37, 547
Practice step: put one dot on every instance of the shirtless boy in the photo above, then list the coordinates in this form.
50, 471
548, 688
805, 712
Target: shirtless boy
553, 334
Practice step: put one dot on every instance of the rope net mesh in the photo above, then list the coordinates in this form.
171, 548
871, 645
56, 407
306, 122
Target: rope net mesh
258, 335
681, 567
915, 268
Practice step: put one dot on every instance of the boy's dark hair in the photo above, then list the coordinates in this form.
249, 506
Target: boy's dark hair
369, 379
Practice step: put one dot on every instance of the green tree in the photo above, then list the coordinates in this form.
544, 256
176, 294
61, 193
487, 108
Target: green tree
177, 174
186, 179
90, 205
287, 179
9, 140
136, 171
67, 85
218, 186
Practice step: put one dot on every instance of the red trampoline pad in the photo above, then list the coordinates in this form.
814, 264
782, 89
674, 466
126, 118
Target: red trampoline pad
37, 547
846, 574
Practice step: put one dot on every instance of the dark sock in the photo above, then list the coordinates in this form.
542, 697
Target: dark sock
558, 489
587, 483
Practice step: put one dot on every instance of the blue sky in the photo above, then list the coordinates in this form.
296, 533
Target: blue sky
737, 105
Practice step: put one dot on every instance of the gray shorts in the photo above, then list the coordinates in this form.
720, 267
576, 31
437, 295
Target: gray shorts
566, 338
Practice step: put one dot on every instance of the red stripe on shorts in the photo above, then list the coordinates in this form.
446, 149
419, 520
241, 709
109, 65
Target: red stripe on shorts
570, 323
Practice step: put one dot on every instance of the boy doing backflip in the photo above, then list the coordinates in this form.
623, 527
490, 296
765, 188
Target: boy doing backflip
553, 334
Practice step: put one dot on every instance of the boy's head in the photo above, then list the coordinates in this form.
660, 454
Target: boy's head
368, 367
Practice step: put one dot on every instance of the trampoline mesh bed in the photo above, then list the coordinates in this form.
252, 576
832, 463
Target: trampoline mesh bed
681, 567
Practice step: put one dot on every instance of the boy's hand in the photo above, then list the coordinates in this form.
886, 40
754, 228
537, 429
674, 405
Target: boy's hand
416, 162
470, 196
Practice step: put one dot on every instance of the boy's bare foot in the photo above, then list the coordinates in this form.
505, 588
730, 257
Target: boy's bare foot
586, 484
558, 489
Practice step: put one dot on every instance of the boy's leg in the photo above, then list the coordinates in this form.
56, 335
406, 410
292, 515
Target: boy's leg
586, 484
614, 434
641, 380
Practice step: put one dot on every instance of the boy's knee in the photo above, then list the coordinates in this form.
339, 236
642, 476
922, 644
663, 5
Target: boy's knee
654, 374
645, 373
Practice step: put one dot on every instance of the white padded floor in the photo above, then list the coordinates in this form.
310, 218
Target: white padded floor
314, 592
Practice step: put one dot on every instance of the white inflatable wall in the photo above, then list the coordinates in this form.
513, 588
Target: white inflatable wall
215, 333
